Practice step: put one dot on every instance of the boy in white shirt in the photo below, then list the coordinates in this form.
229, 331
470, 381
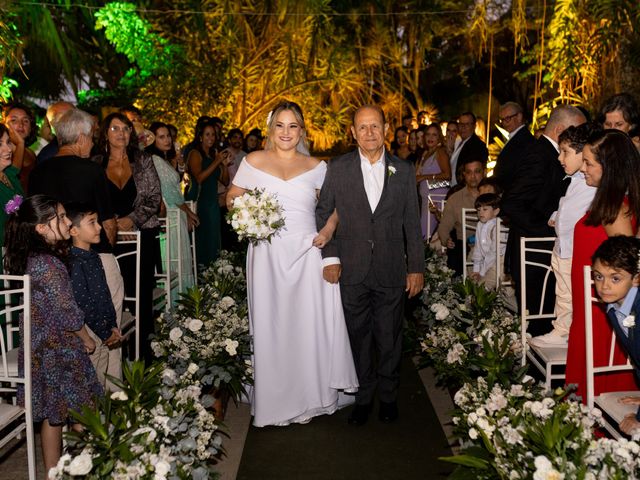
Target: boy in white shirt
484, 251
571, 208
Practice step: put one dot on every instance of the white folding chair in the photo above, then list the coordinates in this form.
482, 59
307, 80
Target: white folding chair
131, 314
469, 224
502, 233
193, 206
608, 402
14, 420
169, 279
438, 201
547, 359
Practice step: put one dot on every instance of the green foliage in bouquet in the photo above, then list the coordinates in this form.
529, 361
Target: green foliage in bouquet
207, 336
155, 427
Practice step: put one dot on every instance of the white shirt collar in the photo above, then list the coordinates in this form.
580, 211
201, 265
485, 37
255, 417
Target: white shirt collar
378, 162
512, 134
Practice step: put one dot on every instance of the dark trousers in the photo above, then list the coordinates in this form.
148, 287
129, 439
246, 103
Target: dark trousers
455, 258
374, 316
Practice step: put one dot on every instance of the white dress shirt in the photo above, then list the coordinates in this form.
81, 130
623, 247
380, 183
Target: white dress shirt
484, 251
571, 208
373, 176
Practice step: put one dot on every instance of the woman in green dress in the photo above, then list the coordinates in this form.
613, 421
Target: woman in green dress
206, 166
9, 182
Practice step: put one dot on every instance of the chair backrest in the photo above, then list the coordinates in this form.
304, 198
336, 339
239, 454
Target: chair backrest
528, 246
15, 291
166, 275
502, 233
589, 304
193, 206
133, 239
469, 226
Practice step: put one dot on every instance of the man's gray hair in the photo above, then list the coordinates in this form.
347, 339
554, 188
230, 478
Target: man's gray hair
566, 115
71, 124
513, 105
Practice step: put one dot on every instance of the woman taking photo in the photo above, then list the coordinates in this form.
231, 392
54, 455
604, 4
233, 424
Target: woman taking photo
9, 182
135, 192
173, 198
612, 164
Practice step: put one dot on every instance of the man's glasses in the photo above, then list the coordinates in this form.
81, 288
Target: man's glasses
504, 120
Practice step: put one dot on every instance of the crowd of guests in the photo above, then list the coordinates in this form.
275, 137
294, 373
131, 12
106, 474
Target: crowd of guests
576, 180
70, 192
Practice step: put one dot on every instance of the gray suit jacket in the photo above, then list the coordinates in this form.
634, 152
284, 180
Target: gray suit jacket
388, 240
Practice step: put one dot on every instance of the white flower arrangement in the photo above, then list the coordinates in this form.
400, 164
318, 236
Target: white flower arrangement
256, 215
391, 170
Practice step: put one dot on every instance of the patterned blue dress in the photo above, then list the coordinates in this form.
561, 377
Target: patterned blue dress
62, 375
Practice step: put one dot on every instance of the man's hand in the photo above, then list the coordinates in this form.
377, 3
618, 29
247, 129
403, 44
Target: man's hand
630, 425
450, 244
415, 283
331, 273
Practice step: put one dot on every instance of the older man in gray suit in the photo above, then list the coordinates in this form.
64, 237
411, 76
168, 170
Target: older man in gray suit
377, 255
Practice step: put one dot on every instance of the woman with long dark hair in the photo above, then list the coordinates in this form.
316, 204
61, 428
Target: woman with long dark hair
612, 164
135, 193
206, 167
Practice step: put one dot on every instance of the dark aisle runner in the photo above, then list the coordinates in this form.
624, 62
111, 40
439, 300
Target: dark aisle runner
330, 449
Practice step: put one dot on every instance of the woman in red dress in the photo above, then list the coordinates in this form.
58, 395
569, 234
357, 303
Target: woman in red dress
611, 163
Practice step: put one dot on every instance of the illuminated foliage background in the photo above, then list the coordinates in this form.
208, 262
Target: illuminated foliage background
181, 59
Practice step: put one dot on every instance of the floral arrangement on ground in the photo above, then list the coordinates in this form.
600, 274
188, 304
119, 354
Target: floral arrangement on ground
508, 426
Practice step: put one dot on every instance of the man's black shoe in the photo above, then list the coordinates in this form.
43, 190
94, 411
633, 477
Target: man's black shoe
359, 415
388, 412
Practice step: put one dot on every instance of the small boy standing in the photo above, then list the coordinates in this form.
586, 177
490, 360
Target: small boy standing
484, 251
571, 208
90, 287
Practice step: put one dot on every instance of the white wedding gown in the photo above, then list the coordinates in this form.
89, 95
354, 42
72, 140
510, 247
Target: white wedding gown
301, 353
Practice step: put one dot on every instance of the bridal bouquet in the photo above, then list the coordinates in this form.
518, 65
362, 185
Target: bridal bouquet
256, 216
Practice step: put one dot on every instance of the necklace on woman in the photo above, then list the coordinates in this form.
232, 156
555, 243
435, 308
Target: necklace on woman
4, 179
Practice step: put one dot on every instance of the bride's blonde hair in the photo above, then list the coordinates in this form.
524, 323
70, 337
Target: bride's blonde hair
303, 144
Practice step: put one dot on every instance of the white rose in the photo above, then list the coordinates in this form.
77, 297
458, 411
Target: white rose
231, 346
629, 321
192, 368
80, 465
473, 433
119, 396
162, 468
195, 325
175, 334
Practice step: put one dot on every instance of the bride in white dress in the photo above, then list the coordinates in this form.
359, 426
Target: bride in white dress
301, 353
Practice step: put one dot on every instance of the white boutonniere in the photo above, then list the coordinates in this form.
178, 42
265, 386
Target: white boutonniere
391, 170
629, 321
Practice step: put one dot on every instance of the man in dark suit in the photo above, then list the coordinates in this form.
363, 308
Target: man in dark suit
377, 255
470, 149
519, 142
533, 196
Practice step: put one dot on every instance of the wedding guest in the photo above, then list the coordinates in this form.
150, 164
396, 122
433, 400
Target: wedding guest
90, 288
470, 148
423, 118
573, 205
451, 220
54, 111
451, 137
620, 112
532, 197
616, 276
407, 122
253, 141
611, 163
22, 131
413, 145
173, 198
207, 166
134, 189
62, 377
485, 247
489, 185
401, 141
9, 183
70, 177
235, 139
432, 174
517, 146
300, 366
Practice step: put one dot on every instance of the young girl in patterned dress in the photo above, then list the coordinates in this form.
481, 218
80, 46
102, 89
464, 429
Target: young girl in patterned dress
63, 378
